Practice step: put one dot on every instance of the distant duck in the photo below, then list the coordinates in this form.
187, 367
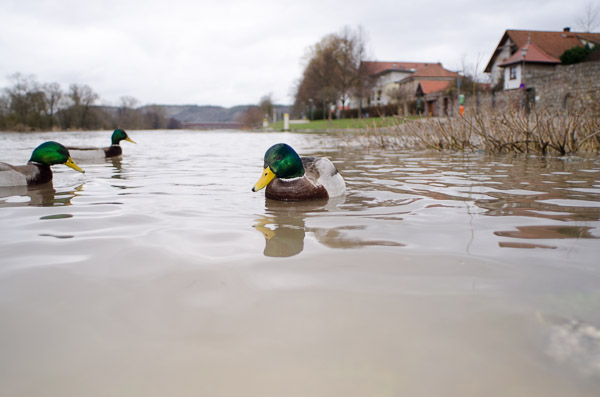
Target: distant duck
289, 177
37, 170
85, 153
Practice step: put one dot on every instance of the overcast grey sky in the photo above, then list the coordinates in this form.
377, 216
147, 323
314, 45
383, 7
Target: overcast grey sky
231, 52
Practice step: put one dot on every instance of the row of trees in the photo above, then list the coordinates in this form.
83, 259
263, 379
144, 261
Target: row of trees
27, 105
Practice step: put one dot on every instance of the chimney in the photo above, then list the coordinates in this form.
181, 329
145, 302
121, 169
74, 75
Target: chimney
567, 29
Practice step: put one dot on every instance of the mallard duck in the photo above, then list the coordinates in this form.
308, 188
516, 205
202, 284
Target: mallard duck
37, 170
83, 153
289, 177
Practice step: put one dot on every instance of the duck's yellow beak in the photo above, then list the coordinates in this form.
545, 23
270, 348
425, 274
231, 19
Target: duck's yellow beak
71, 164
266, 177
129, 139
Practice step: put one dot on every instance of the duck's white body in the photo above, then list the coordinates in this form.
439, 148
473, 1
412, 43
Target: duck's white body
329, 177
85, 154
21, 175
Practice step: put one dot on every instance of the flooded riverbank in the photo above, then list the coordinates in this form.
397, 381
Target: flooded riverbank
162, 273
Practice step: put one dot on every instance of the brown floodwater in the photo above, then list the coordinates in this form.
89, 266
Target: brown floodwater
161, 273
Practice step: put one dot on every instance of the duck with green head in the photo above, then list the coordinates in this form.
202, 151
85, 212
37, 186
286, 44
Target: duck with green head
37, 170
86, 153
289, 177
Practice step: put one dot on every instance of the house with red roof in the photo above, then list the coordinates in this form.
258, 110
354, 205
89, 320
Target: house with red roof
398, 83
430, 85
385, 77
522, 52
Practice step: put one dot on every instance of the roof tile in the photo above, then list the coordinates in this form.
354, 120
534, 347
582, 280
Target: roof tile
533, 55
375, 67
430, 86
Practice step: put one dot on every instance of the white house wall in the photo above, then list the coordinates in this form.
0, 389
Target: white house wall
386, 83
504, 54
391, 77
515, 83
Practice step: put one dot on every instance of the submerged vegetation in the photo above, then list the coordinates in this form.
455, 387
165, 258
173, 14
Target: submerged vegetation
569, 133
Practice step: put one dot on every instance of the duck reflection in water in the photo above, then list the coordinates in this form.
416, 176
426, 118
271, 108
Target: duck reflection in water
284, 235
283, 226
43, 195
117, 166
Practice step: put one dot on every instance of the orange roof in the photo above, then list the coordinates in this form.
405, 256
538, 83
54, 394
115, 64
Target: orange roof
418, 69
533, 55
593, 37
434, 70
429, 86
551, 43
375, 67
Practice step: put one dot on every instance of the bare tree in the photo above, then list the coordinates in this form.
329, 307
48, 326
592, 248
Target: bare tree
53, 95
333, 73
82, 97
350, 53
266, 105
155, 117
128, 114
363, 88
252, 118
318, 80
19, 97
589, 21
128, 102
26, 103
403, 96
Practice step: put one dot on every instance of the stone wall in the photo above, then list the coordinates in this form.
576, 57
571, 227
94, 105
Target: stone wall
568, 86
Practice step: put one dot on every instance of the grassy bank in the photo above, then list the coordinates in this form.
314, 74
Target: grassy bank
339, 124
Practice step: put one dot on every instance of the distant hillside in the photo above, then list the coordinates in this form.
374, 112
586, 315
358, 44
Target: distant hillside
189, 114
181, 116
202, 114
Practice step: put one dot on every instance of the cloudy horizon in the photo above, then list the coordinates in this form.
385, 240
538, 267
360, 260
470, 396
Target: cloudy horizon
231, 52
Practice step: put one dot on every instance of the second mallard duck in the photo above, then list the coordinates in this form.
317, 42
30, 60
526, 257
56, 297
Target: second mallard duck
84, 153
289, 177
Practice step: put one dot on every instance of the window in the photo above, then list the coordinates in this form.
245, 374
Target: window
513, 72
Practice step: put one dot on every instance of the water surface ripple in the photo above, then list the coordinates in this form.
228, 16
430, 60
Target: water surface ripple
162, 273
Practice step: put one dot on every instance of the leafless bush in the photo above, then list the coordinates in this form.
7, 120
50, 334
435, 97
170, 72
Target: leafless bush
542, 132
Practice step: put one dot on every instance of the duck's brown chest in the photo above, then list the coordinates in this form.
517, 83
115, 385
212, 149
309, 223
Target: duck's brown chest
299, 189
